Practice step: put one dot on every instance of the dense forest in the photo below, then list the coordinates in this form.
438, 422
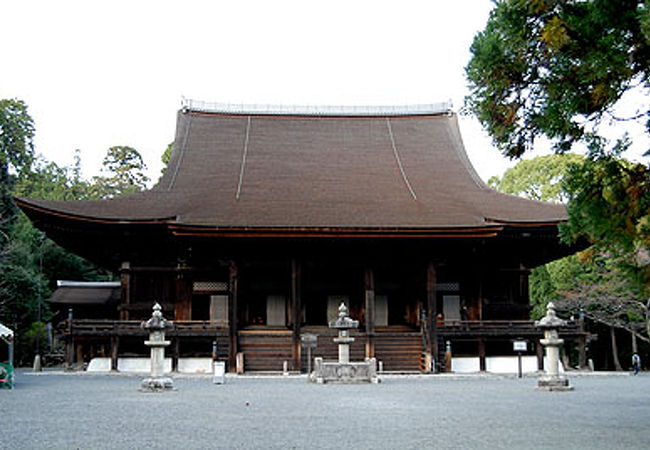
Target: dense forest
30, 263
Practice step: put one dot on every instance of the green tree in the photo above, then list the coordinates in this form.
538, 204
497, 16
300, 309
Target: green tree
596, 281
22, 284
124, 169
167, 154
558, 68
610, 205
30, 263
538, 178
16, 155
165, 158
48, 181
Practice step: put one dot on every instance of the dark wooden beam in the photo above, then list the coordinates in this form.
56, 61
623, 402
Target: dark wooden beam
115, 350
432, 310
183, 304
582, 343
175, 353
233, 280
296, 309
481, 354
125, 290
69, 351
369, 282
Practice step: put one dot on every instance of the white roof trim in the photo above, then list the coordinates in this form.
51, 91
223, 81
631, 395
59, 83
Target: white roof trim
317, 110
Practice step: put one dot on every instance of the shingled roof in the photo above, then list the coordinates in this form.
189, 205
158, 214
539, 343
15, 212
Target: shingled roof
376, 170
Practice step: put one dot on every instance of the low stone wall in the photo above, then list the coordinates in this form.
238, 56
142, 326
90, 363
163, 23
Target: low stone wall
497, 364
143, 365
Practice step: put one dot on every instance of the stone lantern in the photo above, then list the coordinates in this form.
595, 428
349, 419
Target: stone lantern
552, 380
344, 324
344, 371
156, 326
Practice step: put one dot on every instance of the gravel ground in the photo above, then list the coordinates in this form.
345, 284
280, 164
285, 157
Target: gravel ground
482, 412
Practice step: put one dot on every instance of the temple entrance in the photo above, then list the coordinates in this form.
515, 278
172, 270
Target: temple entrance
276, 310
210, 302
263, 295
325, 286
381, 310
210, 307
398, 296
451, 307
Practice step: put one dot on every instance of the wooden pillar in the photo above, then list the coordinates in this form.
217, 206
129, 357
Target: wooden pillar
69, 343
432, 312
233, 347
69, 352
480, 298
125, 290
582, 352
481, 354
80, 353
370, 312
540, 355
115, 351
175, 353
296, 308
183, 303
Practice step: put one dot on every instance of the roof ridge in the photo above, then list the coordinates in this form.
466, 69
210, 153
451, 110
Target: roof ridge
439, 108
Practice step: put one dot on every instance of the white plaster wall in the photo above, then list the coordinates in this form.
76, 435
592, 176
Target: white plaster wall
465, 364
99, 365
195, 365
508, 364
140, 365
497, 364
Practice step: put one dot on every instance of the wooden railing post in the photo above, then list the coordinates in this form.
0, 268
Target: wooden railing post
232, 319
296, 309
481, 354
115, 350
432, 312
125, 290
370, 312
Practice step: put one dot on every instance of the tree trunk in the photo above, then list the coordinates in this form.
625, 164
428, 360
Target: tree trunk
617, 364
647, 317
635, 349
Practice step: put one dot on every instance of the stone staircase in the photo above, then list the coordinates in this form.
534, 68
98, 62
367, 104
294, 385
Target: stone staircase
265, 351
399, 349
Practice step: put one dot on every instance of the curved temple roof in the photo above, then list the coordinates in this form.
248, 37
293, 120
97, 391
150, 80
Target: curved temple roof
276, 169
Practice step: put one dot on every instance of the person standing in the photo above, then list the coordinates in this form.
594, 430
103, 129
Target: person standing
636, 362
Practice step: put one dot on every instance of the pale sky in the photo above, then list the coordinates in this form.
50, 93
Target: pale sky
97, 74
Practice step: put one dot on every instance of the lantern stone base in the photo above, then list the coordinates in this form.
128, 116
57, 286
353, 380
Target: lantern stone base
344, 373
158, 384
553, 384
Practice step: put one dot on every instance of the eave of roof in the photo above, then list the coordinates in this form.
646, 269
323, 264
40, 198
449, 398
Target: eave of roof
47, 208
320, 232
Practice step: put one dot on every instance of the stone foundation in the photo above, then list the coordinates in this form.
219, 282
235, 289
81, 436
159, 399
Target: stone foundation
555, 383
157, 384
344, 373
